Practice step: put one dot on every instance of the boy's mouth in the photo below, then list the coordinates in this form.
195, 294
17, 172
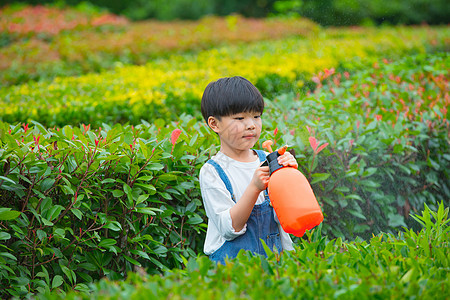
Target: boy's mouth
250, 136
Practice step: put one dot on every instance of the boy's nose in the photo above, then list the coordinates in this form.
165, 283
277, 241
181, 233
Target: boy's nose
251, 124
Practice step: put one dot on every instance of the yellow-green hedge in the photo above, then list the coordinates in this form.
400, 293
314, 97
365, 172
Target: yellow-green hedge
167, 87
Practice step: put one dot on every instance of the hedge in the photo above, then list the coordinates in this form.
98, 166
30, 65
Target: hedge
41, 43
165, 88
405, 265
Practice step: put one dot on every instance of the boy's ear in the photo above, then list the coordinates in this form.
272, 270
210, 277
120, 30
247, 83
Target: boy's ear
213, 124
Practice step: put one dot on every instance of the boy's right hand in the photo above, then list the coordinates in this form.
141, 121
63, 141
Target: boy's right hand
261, 178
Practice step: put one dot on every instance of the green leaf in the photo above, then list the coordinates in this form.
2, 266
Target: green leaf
196, 219
396, 220
148, 187
155, 167
369, 172
113, 225
117, 193
8, 214
7, 179
148, 210
369, 183
41, 234
47, 183
140, 253
145, 178
4, 236
127, 189
108, 180
407, 276
87, 266
266, 266
141, 199
57, 281
46, 222
167, 177
131, 260
67, 272
107, 243
55, 211
318, 177
128, 138
143, 148
8, 255
357, 214
77, 213
354, 196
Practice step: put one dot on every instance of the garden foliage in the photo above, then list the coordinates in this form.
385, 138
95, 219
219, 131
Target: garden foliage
325, 12
80, 203
379, 140
359, 12
40, 43
401, 266
165, 88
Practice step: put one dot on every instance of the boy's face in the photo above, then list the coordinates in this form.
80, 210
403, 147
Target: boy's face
237, 132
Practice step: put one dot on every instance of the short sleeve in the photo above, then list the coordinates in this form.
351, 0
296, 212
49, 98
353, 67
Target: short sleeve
217, 202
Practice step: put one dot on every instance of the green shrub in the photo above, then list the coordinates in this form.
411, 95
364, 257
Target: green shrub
387, 131
371, 12
403, 266
79, 204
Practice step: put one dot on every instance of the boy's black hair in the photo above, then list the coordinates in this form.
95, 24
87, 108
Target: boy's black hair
230, 95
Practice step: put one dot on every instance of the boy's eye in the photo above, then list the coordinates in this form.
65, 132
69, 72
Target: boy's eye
239, 118
257, 116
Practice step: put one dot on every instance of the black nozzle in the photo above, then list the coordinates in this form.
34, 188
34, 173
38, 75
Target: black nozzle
273, 162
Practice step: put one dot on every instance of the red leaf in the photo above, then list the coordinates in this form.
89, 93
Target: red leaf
322, 147
313, 143
175, 135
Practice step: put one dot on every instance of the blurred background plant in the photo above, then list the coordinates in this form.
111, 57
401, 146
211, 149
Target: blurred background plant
325, 12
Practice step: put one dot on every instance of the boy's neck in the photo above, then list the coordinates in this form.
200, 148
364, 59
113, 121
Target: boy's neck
247, 155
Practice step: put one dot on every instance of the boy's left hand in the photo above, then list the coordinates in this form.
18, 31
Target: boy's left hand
288, 160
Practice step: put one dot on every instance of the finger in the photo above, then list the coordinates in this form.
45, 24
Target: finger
283, 161
288, 161
264, 169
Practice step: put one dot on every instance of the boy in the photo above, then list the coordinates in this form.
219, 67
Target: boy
233, 182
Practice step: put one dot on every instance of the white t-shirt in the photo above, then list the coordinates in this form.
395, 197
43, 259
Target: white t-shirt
217, 200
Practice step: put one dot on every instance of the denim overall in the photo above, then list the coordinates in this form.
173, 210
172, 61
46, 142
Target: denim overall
260, 225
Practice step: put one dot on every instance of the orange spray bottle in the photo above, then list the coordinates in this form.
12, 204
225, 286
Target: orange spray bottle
291, 196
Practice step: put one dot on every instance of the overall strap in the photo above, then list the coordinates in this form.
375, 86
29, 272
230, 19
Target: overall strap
262, 157
224, 177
